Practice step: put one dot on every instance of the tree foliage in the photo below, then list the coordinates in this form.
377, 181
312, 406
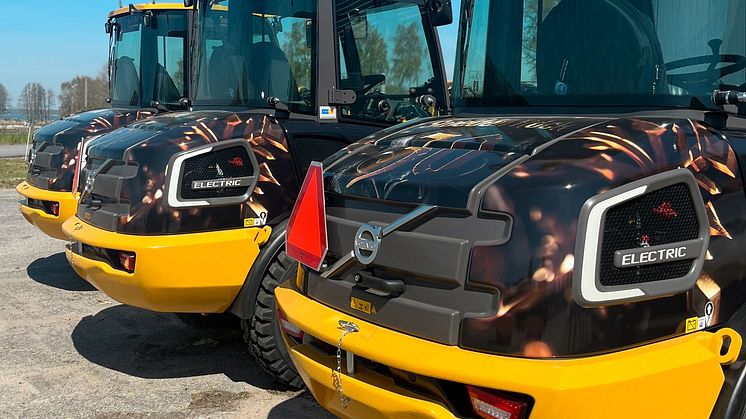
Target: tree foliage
408, 53
373, 53
84, 93
4, 99
298, 54
33, 102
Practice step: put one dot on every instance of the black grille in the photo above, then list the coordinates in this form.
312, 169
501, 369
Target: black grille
205, 167
648, 220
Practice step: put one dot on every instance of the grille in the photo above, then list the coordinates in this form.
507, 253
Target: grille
648, 219
215, 165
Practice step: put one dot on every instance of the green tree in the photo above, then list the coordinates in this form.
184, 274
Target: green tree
408, 54
373, 52
33, 101
530, 28
4, 99
298, 54
179, 75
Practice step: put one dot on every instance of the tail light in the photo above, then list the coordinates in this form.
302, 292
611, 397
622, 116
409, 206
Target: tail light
289, 328
127, 261
54, 207
306, 232
493, 406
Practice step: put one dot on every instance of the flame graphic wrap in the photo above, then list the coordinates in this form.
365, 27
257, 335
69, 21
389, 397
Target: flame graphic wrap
150, 145
439, 161
532, 274
539, 171
55, 146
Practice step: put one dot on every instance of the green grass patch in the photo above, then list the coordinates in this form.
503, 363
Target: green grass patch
12, 172
13, 136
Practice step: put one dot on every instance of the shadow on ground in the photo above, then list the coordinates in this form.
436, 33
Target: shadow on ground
145, 344
303, 402
55, 271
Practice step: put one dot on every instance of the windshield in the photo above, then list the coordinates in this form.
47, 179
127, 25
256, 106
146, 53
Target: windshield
389, 57
254, 50
148, 61
600, 52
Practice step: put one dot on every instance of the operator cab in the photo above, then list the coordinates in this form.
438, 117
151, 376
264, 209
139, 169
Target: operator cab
597, 56
148, 57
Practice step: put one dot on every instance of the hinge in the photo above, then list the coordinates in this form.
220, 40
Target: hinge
341, 97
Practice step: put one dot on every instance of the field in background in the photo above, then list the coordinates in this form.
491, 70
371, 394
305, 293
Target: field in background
13, 135
12, 172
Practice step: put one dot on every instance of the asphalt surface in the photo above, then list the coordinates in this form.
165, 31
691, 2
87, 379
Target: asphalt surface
12, 150
67, 350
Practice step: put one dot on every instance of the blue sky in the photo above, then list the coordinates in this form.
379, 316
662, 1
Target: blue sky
51, 41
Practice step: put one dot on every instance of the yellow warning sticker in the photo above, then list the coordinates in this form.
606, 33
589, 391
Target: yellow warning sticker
692, 324
256, 222
361, 305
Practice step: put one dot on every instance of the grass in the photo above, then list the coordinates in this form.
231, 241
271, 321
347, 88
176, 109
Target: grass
13, 136
12, 172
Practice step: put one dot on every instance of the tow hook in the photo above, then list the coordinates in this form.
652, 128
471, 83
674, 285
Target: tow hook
347, 328
727, 344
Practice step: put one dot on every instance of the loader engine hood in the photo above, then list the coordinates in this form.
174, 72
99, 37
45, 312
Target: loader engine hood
54, 150
188, 172
550, 237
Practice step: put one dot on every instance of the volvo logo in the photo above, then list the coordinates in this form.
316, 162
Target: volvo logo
367, 243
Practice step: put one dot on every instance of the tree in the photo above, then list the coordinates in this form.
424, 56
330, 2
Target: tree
408, 53
299, 54
50, 104
4, 99
530, 32
374, 57
179, 75
84, 93
33, 102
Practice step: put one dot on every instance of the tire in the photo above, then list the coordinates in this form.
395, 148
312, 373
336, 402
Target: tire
209, 321
262, 332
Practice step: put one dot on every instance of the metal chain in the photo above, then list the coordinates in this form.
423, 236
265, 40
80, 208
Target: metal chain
347, 327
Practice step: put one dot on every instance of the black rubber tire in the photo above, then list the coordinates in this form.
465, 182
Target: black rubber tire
209, 321
262, 330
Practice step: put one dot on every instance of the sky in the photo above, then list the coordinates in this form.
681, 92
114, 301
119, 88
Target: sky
51, 41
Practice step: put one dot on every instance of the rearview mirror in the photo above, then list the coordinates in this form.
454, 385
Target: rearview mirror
188, 3
148, 19
108, 27
358, 23
440, 11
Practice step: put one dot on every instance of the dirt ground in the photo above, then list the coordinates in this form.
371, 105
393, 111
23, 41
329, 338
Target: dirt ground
67, 350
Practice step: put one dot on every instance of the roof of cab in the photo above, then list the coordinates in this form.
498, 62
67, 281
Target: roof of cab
149, 6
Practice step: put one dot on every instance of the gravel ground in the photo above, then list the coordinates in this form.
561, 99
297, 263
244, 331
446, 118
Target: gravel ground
67, 350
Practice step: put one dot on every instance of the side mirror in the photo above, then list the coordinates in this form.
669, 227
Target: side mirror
276, 25
188, 3
108, 27
358, 23
440, 11
148, 19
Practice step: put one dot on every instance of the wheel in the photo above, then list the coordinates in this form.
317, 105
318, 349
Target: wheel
209, 321
261, 330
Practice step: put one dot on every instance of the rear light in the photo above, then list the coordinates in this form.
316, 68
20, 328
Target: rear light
127, 261
493, 406
306, 232
289, 328
54, 208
